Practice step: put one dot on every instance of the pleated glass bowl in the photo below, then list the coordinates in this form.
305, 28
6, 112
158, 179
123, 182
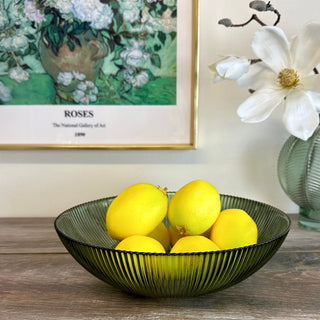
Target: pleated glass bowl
82, 230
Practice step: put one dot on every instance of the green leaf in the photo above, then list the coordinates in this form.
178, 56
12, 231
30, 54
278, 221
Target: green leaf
114, 4
70, 45
47, 41
49, 17
55, 50
152, 77
95, 32
117, 54
30, 36
25, 67
77, 41
125, 87
111, 45
162, 37
78, 30
33, 47
105, 34
4, 56
173, 35
53, 35
155, 60
174, 13
102, 76
12, 63
118, 19
156, 47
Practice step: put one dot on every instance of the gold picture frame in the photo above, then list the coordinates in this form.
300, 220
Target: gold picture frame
98, 126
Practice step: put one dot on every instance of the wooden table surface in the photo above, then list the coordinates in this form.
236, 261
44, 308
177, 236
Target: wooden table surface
40, 280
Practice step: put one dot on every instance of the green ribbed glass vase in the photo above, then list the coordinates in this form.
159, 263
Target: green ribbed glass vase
299, 176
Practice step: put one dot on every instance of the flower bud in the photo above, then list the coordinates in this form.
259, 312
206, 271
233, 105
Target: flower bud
258, 5
226, 22
229, 68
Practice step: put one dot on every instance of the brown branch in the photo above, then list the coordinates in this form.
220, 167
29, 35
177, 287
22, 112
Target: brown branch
253, 17
278, 16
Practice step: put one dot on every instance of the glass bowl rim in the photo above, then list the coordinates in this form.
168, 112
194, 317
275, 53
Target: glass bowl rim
168, 254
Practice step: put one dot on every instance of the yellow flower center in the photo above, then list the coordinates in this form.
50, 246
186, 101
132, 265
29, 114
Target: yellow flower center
288, 78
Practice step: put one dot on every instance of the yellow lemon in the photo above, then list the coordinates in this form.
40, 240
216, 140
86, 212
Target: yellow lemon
139, 243
194, 208
234, 228
161, 233
194, 244
139, 209
174, 236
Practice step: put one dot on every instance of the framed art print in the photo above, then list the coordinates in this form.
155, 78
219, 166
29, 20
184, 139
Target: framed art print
98, 74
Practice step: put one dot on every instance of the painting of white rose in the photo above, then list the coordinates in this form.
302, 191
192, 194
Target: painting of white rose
101, 52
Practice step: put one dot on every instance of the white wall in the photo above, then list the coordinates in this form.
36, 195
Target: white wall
239, 159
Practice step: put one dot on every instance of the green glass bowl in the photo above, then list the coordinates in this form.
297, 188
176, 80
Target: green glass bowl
82, 230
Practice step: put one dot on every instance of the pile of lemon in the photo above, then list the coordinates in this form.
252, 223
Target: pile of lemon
197, 224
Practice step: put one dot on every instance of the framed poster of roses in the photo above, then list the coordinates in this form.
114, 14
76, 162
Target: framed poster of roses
98, 74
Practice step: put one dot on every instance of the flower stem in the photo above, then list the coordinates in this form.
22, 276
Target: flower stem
253, 17
278, 16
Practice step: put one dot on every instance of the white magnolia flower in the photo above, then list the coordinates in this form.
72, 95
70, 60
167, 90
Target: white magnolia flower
5, 94
31, 11
135, 56
65, 78
231, 68
18, 74
99, 14
284, 77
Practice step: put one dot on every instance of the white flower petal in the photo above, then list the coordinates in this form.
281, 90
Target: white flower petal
271, 45
260, 105
213, 69
311, 82
230, 68
315, 98
233, 67
300, 117
259, 76
305, 48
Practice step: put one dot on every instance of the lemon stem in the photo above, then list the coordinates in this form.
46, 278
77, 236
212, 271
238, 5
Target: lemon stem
164, 190
182, 230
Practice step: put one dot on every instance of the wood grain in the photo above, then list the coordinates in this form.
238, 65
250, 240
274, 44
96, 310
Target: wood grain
29, 235
54, 286
40, 281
